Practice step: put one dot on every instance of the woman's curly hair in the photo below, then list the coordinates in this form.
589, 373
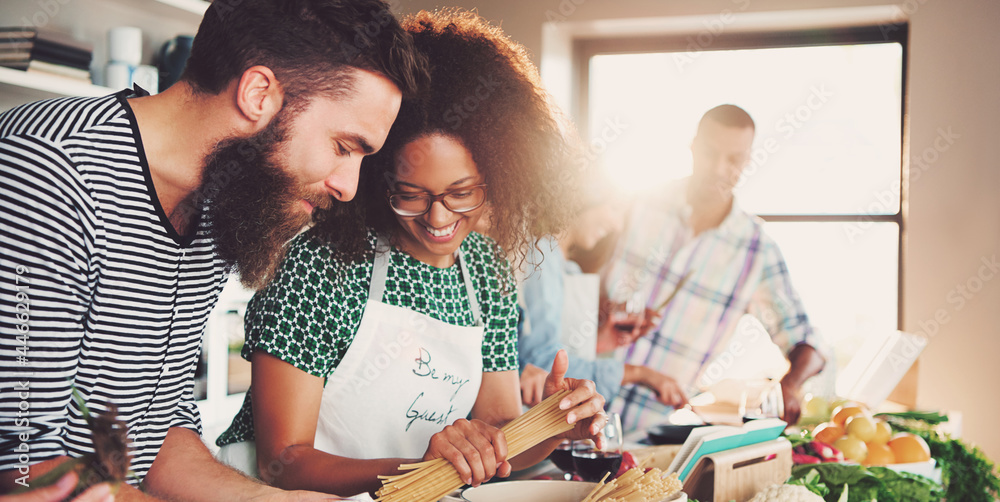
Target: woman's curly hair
485, 93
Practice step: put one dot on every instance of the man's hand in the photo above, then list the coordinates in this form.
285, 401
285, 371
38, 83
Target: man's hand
793, 403
61, 489
805, 362
667, 390
585, 405
477, 450
532, 384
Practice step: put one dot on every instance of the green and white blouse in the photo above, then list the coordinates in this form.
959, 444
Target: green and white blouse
308, 315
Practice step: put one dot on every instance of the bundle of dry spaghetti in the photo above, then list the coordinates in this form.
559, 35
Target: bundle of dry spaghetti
430, 480
636, 485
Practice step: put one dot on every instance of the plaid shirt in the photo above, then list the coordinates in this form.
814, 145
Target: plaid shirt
731, 270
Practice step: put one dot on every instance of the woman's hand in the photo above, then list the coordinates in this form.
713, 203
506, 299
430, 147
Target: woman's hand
585, 405
476, 449
532, 384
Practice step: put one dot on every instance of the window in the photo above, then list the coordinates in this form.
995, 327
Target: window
825, 172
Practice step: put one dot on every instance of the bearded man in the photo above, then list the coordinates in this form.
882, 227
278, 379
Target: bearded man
122, 217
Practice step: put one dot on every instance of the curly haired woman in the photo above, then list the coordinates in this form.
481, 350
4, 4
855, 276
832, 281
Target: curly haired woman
389, 333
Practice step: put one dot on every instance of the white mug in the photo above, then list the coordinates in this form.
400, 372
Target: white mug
125, 45
118, 76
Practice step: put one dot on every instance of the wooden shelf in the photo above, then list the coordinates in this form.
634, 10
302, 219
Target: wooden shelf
196, 7
46, 86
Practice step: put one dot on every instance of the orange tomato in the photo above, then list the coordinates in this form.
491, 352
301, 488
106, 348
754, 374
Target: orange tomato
883, 433
879, 454
861, 427
828, 432
852, 448
909, 448
841, 414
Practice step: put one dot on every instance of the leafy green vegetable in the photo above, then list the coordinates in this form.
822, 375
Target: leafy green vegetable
844, 496
928, 417
868, 484
812, 482
968, 475
799, 438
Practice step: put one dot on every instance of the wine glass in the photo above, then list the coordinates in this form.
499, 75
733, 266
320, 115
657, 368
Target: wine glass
562, 456
592, 463
627, 316
762, 399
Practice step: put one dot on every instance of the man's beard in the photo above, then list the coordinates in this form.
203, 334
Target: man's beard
253, 204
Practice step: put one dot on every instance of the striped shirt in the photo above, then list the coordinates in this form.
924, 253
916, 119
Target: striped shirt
731, 270
97, 290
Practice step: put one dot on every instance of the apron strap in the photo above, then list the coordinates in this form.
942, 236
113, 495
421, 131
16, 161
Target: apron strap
477, 316
380, 270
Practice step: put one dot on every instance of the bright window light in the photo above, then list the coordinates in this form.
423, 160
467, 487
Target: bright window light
828, 142
828, 122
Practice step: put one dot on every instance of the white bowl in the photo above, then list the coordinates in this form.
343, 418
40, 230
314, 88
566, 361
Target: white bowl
928, 469
536, 490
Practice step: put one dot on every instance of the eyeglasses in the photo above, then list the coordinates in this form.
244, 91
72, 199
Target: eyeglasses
456, 200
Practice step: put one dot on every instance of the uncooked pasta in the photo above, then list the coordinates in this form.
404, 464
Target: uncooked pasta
430, 480
636, 485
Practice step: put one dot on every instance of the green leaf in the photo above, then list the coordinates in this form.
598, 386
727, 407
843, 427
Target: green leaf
844, 496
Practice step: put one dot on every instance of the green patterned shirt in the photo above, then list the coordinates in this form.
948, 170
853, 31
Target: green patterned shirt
308, 315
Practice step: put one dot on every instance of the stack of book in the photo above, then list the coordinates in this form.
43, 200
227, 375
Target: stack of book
47, 52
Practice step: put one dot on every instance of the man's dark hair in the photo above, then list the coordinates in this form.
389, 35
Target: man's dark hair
729, 116
309, 45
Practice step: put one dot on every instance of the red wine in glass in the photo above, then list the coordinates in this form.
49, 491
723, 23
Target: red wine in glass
562, 456
592, 464
626, 325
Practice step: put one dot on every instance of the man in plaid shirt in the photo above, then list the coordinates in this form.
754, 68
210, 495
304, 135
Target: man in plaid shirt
694, 244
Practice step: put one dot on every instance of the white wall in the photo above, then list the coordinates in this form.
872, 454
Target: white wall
954, 210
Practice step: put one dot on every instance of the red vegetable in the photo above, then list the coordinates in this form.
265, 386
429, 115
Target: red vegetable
800, 458
628, 462
826, 452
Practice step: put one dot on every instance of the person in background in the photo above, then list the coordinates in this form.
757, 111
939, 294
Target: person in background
391, 321
693, 245
560, 307
123, 216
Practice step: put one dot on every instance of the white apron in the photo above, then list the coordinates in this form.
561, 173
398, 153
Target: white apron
403, 379
578, 322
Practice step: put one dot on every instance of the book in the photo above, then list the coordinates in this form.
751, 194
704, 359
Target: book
45, 36
27, 44
41, 67
715, 438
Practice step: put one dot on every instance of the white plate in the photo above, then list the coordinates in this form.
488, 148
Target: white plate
928, 468
535, 490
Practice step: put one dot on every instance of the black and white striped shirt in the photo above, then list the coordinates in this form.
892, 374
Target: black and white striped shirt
97, 290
